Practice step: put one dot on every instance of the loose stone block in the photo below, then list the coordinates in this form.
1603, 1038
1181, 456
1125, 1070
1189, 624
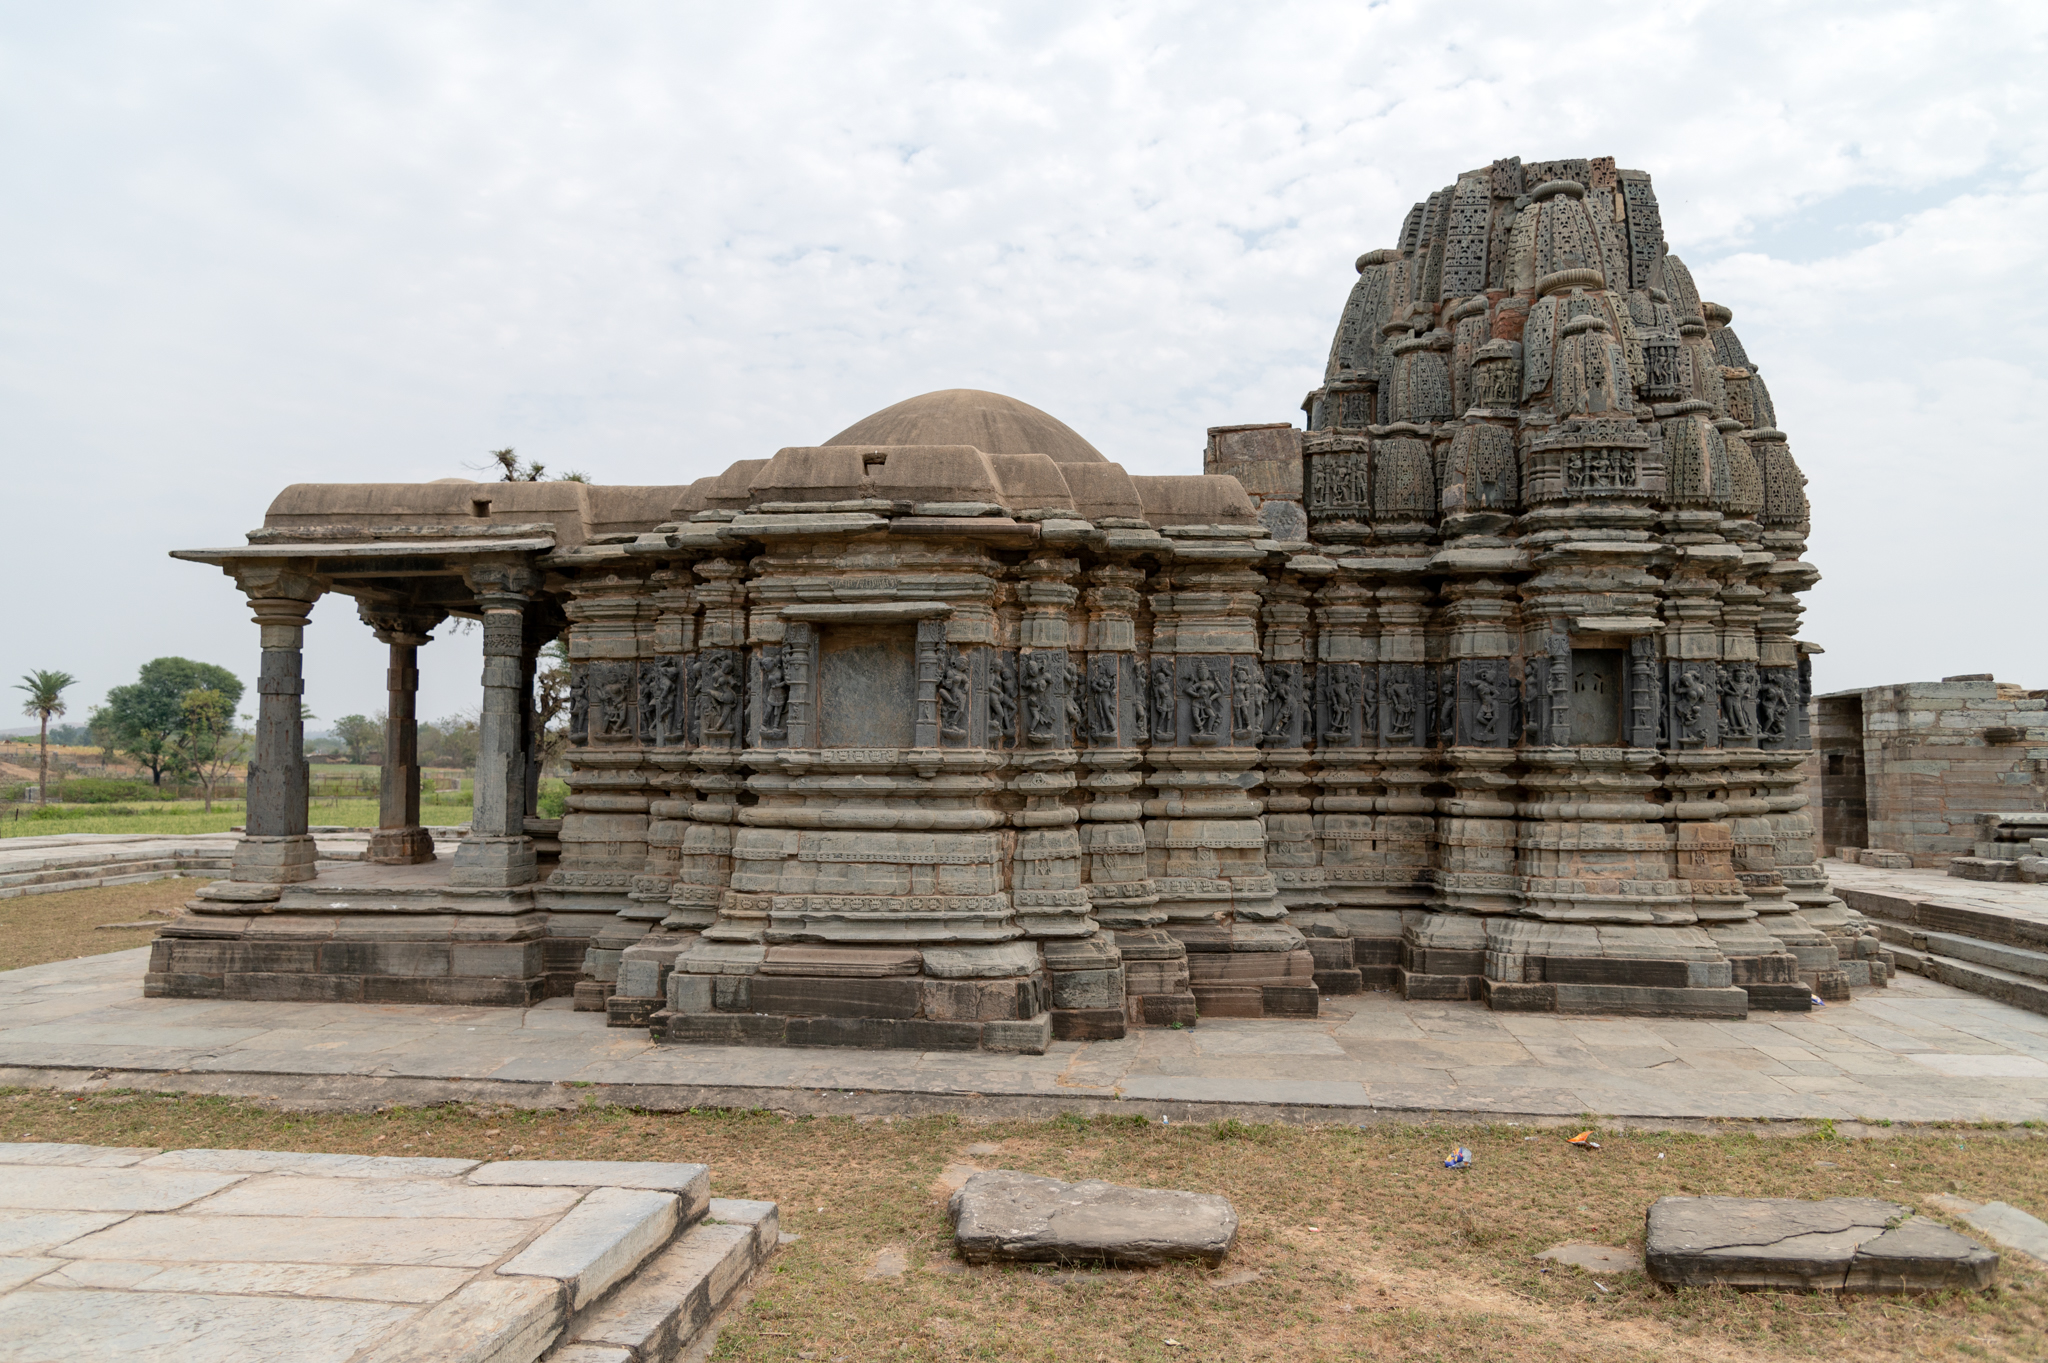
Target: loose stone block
1844, 1244
1005, 1216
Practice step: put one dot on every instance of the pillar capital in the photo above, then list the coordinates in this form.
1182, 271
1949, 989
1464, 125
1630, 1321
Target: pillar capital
502, 584
397, 623
276, 588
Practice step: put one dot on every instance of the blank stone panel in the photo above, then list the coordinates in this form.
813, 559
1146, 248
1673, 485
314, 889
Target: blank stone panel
867, 683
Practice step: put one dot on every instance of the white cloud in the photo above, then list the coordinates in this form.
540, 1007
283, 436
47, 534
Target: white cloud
251, 245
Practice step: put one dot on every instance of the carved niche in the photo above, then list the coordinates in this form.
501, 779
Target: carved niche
1204, 683
716, 697
1485, 703
1337, 703
1103, 698
1247, 700
1695, 704
1138, 698
772, 686
1165, 703
610, 697
954, 693
579, 704
1405, 705
1286, 705
1340, 484
1002, 701
661, 710
1043, 671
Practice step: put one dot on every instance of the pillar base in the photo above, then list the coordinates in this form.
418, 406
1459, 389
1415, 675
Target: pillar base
863, 996
493, 863
275, 861
408, 846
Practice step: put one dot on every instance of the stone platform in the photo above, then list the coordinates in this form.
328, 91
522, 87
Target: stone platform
1988, 938
221, 1256
1918, 1051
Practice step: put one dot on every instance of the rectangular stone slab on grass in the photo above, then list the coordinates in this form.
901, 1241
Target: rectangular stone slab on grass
1004, 1216
1845, 1244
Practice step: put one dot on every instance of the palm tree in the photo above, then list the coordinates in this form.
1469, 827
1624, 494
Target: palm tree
45, 698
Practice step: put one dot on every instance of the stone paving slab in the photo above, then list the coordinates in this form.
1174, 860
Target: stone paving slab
1918, 1051
219, 1256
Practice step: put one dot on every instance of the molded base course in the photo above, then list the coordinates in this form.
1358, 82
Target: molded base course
917, 1034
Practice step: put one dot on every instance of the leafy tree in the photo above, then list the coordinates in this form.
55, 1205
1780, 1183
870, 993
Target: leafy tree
70, 735
551, 701
361, 735
100, 724
207, 746
145, 714
450, 742
45, 698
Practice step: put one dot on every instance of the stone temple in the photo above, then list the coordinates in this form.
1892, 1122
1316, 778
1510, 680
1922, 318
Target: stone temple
950, 732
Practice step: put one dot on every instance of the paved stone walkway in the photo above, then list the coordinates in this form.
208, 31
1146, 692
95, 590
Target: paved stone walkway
246, 1256
1918, 1051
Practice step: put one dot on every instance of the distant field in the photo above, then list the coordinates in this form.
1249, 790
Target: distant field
189, 816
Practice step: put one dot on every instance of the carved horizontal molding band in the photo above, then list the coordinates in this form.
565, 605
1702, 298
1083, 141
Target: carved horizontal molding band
867, 612
890, 904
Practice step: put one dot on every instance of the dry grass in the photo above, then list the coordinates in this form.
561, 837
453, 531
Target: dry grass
35, 928
1355, 1243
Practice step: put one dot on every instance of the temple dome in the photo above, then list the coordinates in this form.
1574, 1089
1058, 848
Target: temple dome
990, 422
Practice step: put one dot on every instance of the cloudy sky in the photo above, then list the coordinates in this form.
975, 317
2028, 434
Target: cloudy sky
253, 244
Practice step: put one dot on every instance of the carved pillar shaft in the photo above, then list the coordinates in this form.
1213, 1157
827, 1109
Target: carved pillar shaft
276, 849
399, 839
497, 853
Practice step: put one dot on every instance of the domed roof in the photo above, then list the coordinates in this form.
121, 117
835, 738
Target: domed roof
990, 422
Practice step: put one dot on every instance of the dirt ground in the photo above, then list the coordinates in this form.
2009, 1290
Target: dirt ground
35, 928
1354, 1242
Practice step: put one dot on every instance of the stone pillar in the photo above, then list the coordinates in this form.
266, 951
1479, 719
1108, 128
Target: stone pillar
276, 850
399, 839
497, 854
1204, 840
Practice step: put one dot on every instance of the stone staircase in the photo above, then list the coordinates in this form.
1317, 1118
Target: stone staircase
75, 864
1998, 951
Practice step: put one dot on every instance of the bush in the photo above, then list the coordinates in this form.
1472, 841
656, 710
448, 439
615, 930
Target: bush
100, 790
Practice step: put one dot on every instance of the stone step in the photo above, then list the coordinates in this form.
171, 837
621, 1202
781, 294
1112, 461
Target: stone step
675, 1297
2021, 991
1984, 922
2012, 960
130, 872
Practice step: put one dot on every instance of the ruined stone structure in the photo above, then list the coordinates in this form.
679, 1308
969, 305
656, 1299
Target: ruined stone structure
949, 732
1912, 770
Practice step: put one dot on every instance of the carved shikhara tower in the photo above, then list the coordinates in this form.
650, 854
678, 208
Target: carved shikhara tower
1559, 699
949, 732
